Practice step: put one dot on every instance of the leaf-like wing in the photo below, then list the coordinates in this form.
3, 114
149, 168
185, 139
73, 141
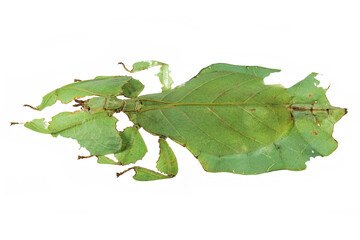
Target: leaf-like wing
100, 86
233, 122
220, 113
251, 70
95, 132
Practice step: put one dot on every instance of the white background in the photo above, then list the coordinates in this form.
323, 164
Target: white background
47, 194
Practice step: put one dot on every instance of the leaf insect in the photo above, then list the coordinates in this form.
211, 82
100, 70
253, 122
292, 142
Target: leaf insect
225, 116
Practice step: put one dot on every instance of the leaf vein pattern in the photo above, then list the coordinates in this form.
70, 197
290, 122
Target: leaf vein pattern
250, 165
280, 155
256, 93
208, 81
236, 86
99, 142
196, 125
84, 90
301, 152
273, 161
295, 92
167, 119
306, 141
259, 120
167, 94
272, 103
80, 122
237, 130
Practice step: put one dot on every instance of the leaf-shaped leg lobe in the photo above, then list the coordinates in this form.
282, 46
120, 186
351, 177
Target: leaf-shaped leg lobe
96, 132
166, 163
103, 86
133, 147
164, 73
144, 174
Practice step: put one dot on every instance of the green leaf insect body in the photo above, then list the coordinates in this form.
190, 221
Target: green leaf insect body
225, 116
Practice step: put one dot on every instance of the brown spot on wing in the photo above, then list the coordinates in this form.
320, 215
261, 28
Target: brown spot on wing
314, 133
